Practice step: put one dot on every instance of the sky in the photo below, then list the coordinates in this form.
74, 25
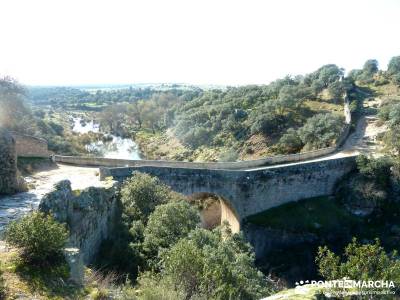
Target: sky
227, 42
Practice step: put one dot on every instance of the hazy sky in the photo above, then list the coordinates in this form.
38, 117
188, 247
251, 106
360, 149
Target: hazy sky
64, 42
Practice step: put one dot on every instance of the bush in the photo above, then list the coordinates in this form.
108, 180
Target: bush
39, 236
154, 287
360, 262
377, 169
290, 142
216, 265
230, 155
321, 131
167, 224
141, 193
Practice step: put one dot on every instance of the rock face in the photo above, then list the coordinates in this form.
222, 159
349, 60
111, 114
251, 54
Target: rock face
89, 215
8, 163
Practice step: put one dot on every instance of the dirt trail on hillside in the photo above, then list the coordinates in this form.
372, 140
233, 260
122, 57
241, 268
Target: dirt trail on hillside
364, 138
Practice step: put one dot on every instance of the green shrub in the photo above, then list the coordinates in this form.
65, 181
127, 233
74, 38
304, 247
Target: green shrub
216, 265
359, 262
141, 193
154, 287
321, 131
377, 169
39, 237
290, 142
169, 223
230, 155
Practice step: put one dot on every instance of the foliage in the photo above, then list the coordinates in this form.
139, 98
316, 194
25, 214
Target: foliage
14, 113
141, 193
40, 238
216, 265
290, 142
377, 169
321, 131
359, 262
167, 224
230, 155
394, 66
153, 287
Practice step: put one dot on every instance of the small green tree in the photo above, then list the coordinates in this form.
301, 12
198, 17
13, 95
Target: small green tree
321, 130
290, 142
141, 193
40, 238
167, 224
394, 66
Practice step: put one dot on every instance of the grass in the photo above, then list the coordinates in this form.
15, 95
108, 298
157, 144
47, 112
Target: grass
314, 215
323, 107
36, 283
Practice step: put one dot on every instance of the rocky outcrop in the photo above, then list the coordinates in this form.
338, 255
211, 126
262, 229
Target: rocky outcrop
8, 163
89, 215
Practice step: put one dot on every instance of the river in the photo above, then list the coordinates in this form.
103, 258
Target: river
14, 206
114, 147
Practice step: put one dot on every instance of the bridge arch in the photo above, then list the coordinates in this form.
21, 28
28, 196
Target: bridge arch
215, 210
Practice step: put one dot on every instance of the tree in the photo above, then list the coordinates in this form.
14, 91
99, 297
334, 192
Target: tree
359, 262
167, 224
394, 66
370, 67
141, 193
290, 142
40, 238
14, 114
216, 265
321, 130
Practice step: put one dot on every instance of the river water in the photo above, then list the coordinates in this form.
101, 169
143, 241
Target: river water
12, 207
114, 147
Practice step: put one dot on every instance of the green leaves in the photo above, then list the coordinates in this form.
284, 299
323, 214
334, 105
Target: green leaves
359, 262
167, 224
141, 193
215, 265
321, 131
39, 236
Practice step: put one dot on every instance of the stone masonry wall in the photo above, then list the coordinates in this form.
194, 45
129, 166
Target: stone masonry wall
250, 192
8, 163
89, 215
29, 146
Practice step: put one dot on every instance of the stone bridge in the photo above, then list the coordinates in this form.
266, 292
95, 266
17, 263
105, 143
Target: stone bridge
248, 192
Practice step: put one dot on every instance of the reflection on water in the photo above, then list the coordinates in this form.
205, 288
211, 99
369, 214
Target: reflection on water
112, 147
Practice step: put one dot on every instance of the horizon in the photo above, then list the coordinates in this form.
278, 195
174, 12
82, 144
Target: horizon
228, 43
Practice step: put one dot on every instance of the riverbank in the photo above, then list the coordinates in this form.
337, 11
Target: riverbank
42, 182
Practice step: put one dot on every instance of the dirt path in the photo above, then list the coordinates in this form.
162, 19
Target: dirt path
364, 138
